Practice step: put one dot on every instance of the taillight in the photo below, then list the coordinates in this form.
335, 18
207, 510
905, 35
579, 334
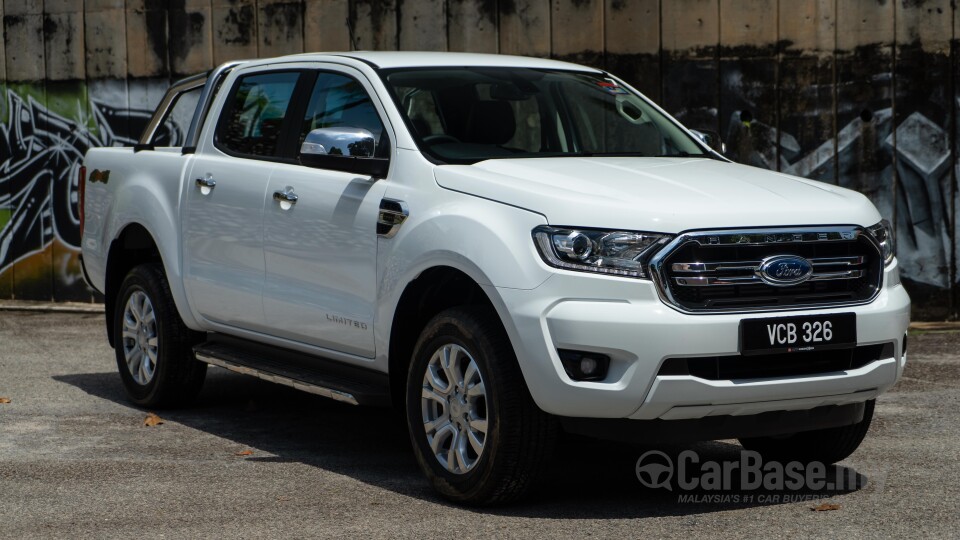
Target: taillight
82, 187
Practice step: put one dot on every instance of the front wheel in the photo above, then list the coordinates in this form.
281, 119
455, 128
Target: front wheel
827, 446
476, 432
154, 348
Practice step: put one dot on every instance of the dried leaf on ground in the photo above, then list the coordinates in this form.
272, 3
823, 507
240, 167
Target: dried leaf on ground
826, 507
244, 453
152, 420
4, 400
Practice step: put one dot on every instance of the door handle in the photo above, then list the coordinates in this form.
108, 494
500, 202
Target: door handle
207, 182
286, 195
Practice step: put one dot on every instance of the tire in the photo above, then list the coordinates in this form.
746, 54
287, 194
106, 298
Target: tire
168, 375
827, 446
514, 451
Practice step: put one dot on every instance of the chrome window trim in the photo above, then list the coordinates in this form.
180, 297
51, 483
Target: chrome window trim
761, 236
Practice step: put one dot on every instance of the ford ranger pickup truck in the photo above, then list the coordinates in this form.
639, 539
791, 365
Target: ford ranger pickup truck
504, 248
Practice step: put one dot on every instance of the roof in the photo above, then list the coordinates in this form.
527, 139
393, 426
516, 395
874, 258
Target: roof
400, 59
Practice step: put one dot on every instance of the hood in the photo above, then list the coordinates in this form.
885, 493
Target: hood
668, 195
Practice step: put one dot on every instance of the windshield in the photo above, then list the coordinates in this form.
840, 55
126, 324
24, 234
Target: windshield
466, 115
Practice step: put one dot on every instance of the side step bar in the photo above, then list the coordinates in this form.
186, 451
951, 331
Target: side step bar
316, 375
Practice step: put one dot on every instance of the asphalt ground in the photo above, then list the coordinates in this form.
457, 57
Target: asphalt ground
256, 460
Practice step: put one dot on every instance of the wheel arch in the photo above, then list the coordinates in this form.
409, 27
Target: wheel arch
134, 245
433, 290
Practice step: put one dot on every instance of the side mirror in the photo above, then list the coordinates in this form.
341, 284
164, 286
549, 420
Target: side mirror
345, 149
711, 139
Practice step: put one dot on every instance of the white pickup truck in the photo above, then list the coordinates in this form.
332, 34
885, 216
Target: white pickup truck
504, 248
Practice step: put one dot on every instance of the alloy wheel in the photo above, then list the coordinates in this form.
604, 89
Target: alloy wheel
140, 341
454, 408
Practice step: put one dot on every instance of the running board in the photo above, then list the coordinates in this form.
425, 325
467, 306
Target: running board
316, 375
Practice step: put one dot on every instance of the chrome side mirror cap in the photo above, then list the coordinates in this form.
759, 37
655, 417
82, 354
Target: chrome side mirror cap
339, 141
347, 149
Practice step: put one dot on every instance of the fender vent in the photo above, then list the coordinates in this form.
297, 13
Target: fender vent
392, 214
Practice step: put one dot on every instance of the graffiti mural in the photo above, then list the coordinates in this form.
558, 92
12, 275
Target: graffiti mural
40, 151
921, 201
901, 160
861, 93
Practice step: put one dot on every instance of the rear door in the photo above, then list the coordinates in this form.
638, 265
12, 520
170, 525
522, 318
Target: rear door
321, 251
223, 204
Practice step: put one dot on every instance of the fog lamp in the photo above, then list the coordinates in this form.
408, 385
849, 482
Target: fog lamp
584, 365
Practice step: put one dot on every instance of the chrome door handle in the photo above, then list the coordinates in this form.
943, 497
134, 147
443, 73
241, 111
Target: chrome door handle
286, 195
206, 183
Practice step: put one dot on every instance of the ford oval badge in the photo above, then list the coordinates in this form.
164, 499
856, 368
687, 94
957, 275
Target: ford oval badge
785, 270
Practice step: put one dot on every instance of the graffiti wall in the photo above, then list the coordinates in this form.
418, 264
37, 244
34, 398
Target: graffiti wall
44, 132
857, 93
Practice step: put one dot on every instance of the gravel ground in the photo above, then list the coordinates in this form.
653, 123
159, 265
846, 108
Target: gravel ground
252, 459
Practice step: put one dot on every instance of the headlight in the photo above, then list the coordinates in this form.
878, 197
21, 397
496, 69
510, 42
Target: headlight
618, 253
883, 232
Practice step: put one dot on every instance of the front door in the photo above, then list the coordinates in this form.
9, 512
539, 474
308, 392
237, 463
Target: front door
321, 250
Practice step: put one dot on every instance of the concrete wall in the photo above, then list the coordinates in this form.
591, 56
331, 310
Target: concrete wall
860, 93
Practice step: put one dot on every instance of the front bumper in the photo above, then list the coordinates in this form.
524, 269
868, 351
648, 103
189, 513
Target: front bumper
626, 320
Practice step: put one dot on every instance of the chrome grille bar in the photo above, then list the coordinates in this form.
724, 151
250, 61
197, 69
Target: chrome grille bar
699, 269
717, 281
840, 261
827, 276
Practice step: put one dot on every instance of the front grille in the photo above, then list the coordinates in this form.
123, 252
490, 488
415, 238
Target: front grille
720, 271
722, 368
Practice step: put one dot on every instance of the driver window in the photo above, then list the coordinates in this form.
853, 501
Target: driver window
341, 101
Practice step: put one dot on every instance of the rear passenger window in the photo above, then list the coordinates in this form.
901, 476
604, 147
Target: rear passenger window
181, 112
177, 119
254, 115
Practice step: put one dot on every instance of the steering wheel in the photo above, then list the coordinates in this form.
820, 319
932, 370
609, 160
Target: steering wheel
440, 138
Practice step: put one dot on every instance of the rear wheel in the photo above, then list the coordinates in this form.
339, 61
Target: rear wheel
824, 445
477, 434
154, 348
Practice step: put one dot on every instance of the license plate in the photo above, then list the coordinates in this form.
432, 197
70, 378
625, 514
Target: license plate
798, 334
